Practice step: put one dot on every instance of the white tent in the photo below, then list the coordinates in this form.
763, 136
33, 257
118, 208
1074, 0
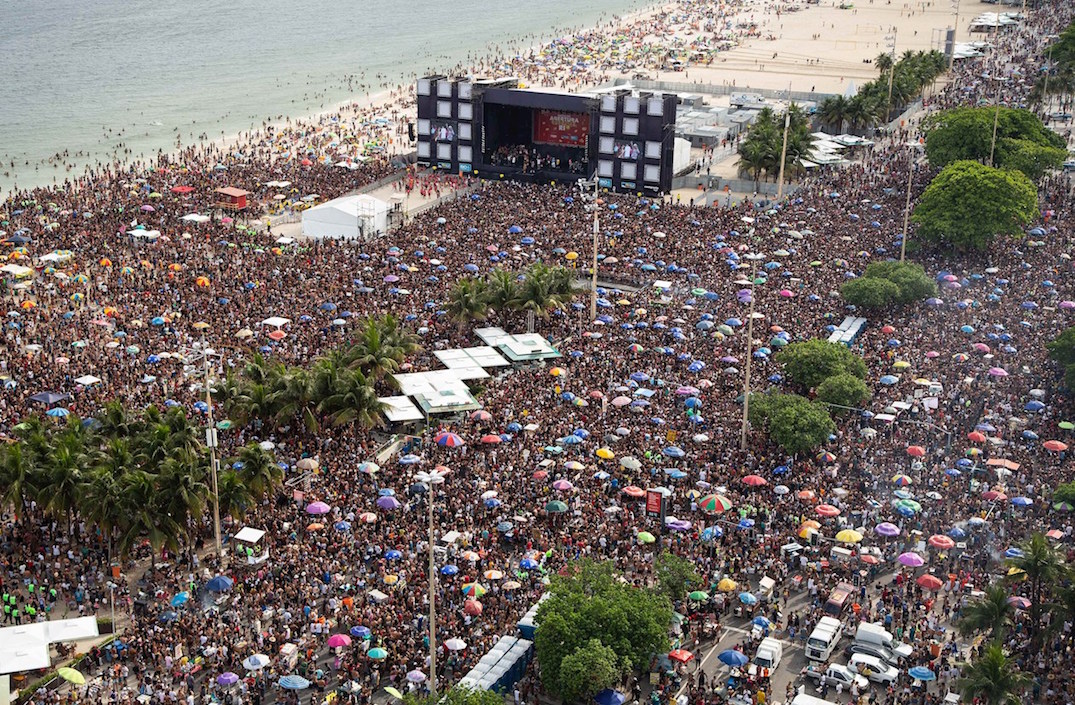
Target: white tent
353, 217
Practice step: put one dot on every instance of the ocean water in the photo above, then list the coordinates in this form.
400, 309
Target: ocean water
87, 77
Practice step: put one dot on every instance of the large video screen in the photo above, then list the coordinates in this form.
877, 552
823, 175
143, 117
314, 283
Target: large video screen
442, 131
562, 128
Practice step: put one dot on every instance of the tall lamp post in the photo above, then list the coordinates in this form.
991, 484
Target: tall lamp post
754, 257
211, 443
593, 198
907, 204
431, 480
783, 155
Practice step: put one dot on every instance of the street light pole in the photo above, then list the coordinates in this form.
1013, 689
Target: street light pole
907, 205
211, 442
431, 480
595, 203
753, 257
955, 30
783, 158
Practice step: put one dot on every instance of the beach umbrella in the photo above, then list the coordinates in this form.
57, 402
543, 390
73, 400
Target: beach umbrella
555, 507
921, 673
755, 480
455, 644
449, 440
645, 537
1019, 603
71, 675
929, 582
887, 529
911, 560
377, 653
609, 697
220, 583
848, 536
715, 504
942, 542
295, 682
256, 662
726, 585
318, 508
1055, 446
827, 510
733, 658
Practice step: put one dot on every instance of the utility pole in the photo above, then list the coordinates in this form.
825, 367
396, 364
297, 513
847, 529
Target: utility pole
996, 121
907, 204
214, 462
595, 203
955, 30
891, 75
783, 158
431, 480
753, 257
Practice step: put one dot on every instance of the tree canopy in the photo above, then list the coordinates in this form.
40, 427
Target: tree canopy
675, 575
795, 423
968, 204
1062, 350
592, 604
870, 292
843, 390
759, 152
1023, 141
809, 363
888, 284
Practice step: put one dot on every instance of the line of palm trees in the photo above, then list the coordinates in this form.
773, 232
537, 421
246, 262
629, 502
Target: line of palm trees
538, 291
993, 677
1059, 78
911, 74
133, 478
340, 388
760, 151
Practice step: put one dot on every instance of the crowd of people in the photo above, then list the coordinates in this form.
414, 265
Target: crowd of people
111, 298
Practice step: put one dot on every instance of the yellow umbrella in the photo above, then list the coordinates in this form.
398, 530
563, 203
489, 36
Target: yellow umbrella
605, 454
394, 693
848, 536
806, 532
726, 585
571, 256
71, 676
557, 371
901, 364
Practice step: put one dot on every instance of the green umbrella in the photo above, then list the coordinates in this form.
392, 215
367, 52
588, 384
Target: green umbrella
394, 692
556, 507
699, 595
224, 425
698, 291
645, 537
71, 676
1063, 506
377, 653
1066, 425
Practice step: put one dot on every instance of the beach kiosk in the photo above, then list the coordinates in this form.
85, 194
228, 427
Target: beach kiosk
230, 198
250, 547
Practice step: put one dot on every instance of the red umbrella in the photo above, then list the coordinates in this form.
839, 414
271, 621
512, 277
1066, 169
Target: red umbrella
941, 541
540, 475
490, 438
806, 495
868, 559
182, 189
278, 334
755, 480
827, 510
976, 436
930, 582
306, 162
994, 496
1055, 446
916, 451
472, 607
888, 330
681, 655
632, 491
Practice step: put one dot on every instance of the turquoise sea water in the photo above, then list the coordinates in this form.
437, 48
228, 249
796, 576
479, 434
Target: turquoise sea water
86, 77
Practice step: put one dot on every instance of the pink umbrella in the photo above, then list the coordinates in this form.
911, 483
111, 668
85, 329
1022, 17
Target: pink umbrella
786, 293
148, 208
911, 560
1067, 305
318, 508
563, 486
997, 372
933, 354
827, 510
337, 640
621, 401
980, 347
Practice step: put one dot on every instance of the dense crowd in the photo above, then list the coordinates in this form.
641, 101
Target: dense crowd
112, 298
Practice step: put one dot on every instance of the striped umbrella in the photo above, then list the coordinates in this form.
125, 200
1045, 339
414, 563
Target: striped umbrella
473, 590
715, 503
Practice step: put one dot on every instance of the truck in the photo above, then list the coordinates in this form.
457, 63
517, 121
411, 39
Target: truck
836, 674
769, 653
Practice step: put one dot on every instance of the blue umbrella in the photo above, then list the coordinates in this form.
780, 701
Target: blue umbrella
180, 599
921, 673
504, 527
1022, 501
529, 564
342, 526
733, 658
761, 621
609, 697
745, 523
294, 682
220, 583
711, 533
674, 452
168, 616
748, 598
957, 533
449, 570
393, 555
492, 503
361, 632
1013, 552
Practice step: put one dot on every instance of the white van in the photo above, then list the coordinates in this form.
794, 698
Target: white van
804, 699
822, 641
875, 634
769, 653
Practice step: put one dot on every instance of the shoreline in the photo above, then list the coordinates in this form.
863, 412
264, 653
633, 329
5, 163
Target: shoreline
730, 66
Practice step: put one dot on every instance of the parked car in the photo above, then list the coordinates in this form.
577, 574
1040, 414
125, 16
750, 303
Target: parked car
836, 674
873, 668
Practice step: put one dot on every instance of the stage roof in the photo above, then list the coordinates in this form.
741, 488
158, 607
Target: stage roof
480, 356
528, 347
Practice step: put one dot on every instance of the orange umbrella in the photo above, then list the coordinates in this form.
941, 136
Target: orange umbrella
202, 281
1055, 446
916, 451
278, 335
976, 436
105, 262
930, 582
812, 524
807, 495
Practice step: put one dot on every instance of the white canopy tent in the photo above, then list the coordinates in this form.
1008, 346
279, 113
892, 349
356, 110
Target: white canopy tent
351, 217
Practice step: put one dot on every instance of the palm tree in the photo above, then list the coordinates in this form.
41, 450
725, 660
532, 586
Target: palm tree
502, 290
373, 352
115, 422
102, 504
536, 295
182, 492
233, 494
353, 401
65, 474
862, 112
467, 302
17, 477
883, 62
259, 471
255, 403
1042, 566
183, 436
992, 678
145, 516
291, 398
992, 614
833, 112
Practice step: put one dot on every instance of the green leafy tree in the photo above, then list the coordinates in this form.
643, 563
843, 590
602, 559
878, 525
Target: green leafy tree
992, 678
801, 427
967, 134
588, 670
870, 292
910, 277
1062, 350
258, 470
1065, 492
809, 363
458, 695
991, 613
592, 602
675, 575
968, 204
844, 390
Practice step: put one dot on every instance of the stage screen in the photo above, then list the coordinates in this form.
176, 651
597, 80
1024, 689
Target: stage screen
561, 128
509, 133
442, 131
